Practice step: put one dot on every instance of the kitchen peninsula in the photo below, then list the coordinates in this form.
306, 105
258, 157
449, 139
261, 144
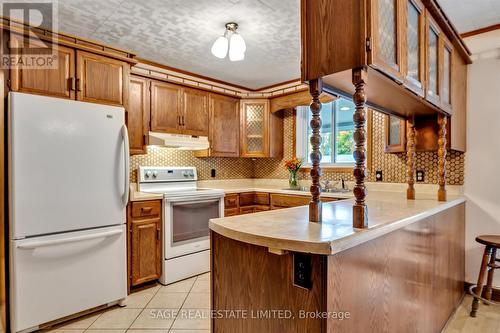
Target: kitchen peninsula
384, 262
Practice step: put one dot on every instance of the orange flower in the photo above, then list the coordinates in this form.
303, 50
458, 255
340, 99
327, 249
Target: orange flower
293, 165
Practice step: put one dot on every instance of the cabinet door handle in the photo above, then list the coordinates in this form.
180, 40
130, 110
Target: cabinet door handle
158, 235
179, 120
79, 85
146, 209
71, 83
183, 123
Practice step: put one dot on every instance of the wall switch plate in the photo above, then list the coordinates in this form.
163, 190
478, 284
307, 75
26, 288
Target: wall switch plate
212, 173
378, 175
302, 270
420, 176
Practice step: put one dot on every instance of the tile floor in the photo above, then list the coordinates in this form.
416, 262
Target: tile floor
182, 307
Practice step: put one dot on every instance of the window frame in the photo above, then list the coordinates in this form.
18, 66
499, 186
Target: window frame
301, 141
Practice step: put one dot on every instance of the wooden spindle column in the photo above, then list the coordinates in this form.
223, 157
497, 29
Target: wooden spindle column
360, 211
315, 208
410, 159
442, 121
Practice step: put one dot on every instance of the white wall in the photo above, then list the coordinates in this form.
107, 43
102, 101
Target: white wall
482, 160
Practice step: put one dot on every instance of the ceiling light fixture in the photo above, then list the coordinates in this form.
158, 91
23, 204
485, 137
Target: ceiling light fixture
345, 108
231, 41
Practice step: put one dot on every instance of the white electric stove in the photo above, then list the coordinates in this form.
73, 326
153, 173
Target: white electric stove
186, 212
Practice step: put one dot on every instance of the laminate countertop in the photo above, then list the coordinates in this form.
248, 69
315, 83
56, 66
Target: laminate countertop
238, 187
290, 229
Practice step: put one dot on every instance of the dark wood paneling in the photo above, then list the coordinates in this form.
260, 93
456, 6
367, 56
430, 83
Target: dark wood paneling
261, 281
410, 280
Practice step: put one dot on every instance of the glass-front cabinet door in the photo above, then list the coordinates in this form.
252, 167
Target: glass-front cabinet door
446, 80
395, 134
254, 128
386, 41
433, 41
414, 46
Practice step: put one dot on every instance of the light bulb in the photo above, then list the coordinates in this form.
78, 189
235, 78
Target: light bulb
237, 47
220, 46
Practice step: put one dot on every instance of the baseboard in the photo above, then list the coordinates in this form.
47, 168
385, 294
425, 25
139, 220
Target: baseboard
495, 292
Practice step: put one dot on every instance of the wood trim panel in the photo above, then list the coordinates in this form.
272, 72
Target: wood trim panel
261, 280
480, 31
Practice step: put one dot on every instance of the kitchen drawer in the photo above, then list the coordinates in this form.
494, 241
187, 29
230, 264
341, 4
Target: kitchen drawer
231, 212
231, 201
285, 200
261, 198
247, 199
146, 208
246, 210
261, 208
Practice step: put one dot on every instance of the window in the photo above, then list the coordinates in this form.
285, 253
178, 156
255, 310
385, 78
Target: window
337, 133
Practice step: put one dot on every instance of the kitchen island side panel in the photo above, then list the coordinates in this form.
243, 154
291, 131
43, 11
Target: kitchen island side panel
410, 280
247, 277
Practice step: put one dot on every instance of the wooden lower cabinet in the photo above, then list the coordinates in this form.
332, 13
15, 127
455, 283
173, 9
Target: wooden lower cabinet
254, 202
144, 241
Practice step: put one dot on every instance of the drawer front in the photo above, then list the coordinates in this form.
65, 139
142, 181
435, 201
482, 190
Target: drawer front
146, 208
231, 201
247, 199
261, 208
231, 212
285, 200
246, 210
261, 198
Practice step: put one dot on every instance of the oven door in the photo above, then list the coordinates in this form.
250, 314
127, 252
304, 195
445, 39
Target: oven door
186, 224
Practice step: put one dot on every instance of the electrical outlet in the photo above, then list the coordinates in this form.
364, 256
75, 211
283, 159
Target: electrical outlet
212, 173
302, 267
378, 175
420, 176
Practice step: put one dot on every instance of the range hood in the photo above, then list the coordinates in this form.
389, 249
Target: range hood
179, 141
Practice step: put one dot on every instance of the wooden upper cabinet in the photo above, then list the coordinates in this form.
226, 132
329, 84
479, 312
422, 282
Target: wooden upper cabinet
194, 115
166, 107
224, 133
414, 46
432, 55
138, 114
58, 82
385, 37
254, 125
101, 79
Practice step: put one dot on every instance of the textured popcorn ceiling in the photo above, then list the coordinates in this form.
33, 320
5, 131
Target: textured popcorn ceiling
180, 33
468, 15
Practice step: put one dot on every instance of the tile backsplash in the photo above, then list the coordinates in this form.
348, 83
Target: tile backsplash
393, 166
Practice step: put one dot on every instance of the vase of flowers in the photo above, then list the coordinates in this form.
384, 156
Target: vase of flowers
293, 167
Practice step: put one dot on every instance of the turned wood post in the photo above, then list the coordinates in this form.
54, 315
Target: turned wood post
410, 158
360, 211
442, 121
315, 209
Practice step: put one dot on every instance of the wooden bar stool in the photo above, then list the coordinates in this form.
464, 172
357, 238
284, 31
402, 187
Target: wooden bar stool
492, 243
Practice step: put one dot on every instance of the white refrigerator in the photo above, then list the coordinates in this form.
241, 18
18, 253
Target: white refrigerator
68, 191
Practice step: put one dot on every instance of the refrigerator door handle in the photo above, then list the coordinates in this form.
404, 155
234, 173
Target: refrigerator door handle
37, 244
126, 152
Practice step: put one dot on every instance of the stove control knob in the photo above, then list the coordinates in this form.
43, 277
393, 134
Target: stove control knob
155, 174
185, 174
191, 174
148, 174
